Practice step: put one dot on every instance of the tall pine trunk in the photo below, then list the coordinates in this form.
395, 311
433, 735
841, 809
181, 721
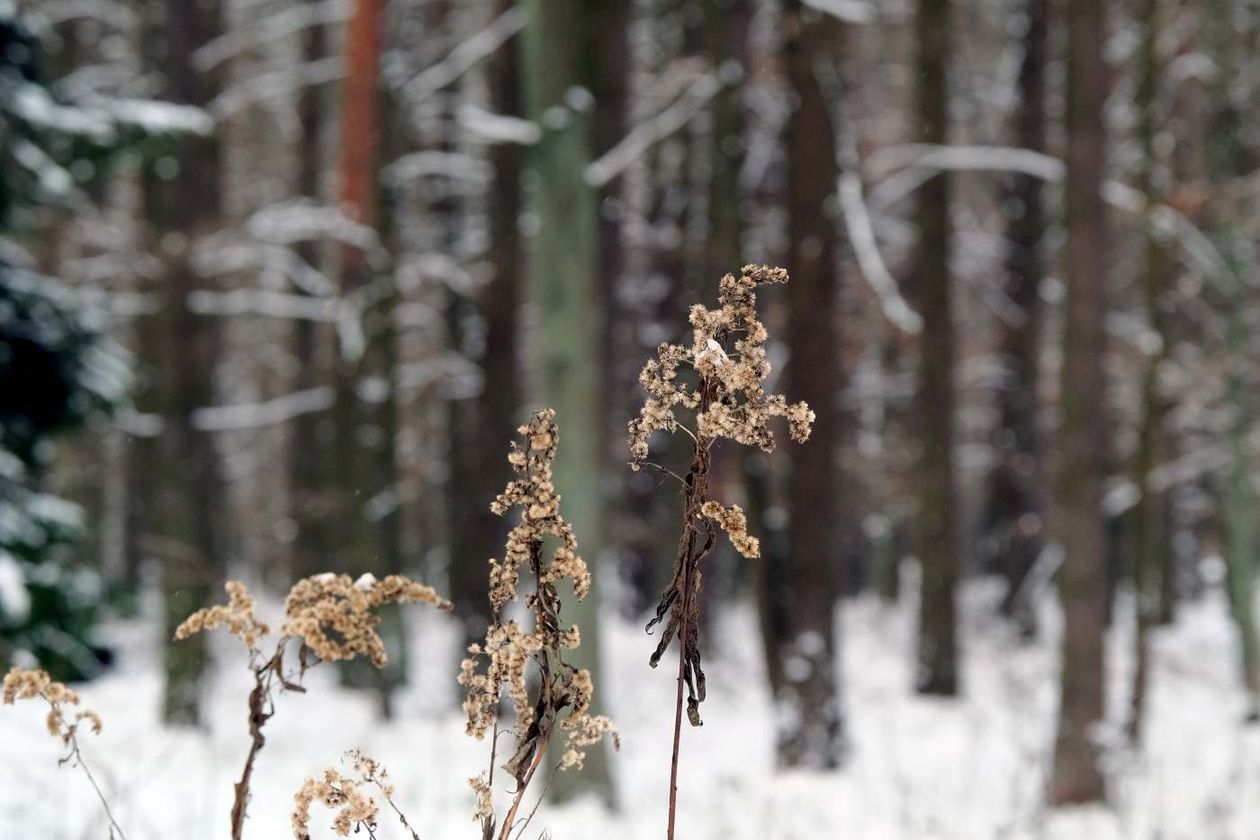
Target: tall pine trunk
811, 730
565, 272
937, 671
313, 433
1015, 525
1150, 533
365, 405
190, 508
1076, 776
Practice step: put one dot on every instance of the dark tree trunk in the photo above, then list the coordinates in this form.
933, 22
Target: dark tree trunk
811, 733
313, 434
1150, 534
191, 513
1076, 776
365, 405
481, 428
937, 518
565, 266
1015, 520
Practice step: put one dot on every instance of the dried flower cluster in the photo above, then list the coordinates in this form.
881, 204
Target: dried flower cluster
727, 352
354, 809
501, 664
25, 684
29, 684
237, 615
333, 618
331, 614
719, 378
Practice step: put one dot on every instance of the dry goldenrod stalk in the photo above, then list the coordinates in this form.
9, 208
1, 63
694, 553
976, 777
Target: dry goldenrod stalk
501, 664
330, 615
26, 684
719, 394
355, 810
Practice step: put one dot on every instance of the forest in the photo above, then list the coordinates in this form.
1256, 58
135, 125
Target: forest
703, 418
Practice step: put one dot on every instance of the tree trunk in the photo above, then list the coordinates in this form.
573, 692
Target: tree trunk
1076, 776
365, 407
811, 730
1150, 534
1015, 526
481, 429
312, 436
566, 280
937, 671
190, 505
1227, 48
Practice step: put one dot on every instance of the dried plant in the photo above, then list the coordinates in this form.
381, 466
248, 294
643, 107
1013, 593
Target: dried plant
719, 394
355, 810
330, 617
24, 684
501, 664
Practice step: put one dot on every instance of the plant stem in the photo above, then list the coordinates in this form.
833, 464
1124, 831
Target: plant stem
678, 705
506, 829
78, 759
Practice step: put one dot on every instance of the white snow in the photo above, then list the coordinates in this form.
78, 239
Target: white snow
970, 769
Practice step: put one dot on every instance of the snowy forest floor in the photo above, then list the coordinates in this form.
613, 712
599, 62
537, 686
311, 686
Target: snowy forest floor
919, 768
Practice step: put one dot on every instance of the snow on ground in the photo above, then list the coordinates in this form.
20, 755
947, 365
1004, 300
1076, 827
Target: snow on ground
920, 768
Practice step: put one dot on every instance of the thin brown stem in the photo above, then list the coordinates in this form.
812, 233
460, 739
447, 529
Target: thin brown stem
259, 697
77, 756
505, 830
678, 708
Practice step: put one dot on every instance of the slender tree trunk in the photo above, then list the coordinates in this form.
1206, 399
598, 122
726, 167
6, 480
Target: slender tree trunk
1016, 514
479, 429
937, 671
1076, 776
811, 731
191, 510
312, 434
565, 269
1150, 534
1227, 47
365, 410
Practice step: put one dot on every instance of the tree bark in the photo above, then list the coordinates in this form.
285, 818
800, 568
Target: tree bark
1150, 534
1076, 776
312, 436
480, 428
937, 671
811, 730
1015, 526
365, 405
565, 268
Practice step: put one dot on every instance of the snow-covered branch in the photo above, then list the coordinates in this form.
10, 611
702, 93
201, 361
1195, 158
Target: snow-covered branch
260, 33
227, 418
265, 302
496, 128
464, 57
650, 132
849, 11
910, 165
857, 222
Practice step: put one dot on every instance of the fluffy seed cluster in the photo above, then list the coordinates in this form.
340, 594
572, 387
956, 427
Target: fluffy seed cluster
334, 616
735, 524
237, 615
354, 808
723, 389
27, 684
728, 356
502, 663
331, 613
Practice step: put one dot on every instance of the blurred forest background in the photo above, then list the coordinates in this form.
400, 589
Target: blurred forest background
281, 277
